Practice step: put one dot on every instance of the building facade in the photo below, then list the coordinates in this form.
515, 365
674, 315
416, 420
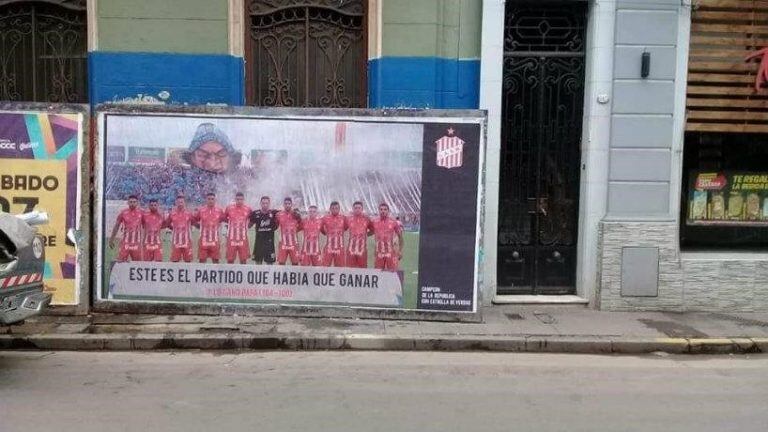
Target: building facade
400, 53
671, 191
618, 130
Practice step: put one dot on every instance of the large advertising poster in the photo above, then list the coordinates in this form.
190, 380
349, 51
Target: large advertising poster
732, 198
40, 170
365, 211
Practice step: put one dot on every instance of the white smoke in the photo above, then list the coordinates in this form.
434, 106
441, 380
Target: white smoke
305, 160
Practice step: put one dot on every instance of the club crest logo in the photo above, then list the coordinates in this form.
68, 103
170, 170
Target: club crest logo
450, 150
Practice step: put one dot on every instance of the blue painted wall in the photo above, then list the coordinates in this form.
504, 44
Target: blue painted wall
404, 82
423, 82
183, 78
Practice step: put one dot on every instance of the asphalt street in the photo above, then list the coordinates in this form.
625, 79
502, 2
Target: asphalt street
380, 391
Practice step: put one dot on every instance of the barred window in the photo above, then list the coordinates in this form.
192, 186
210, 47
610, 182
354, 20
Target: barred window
306, 53
43, 51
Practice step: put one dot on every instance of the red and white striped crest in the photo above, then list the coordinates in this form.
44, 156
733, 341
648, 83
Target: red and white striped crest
450, 151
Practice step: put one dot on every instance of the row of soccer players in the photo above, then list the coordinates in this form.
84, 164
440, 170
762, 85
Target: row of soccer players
142, 230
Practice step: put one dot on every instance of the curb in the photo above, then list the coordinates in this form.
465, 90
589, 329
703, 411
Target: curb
373, 342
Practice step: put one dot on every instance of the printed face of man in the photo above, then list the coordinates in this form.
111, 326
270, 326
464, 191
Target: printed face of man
239, 200
383, 212
313, 212
153, 206
357, 210
287, 205
211, 156
180, 202
265, 204
132, 203
335, 209
210, 200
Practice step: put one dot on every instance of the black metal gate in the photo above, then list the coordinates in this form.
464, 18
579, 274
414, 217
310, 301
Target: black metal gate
543, 97
309, 53
43, 51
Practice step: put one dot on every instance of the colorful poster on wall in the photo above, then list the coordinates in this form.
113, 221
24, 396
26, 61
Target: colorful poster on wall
39, 170
378, 212
728, 198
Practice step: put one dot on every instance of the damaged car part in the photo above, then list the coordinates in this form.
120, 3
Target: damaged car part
22, 264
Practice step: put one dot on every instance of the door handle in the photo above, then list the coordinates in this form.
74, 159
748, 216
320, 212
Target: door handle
533, 206
543, 206
538, 206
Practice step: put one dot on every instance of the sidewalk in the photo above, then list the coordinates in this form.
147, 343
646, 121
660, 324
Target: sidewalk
519, 328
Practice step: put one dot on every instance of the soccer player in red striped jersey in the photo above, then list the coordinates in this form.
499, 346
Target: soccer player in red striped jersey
153, 222
386, 230
359, 230
310, 247
129, 220
179, 220
237, 216
289, 224
209, 218
333, 226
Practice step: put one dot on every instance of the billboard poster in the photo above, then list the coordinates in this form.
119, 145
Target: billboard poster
116, 154
40, 170
146, 155
728, 198
367, 211
176, 156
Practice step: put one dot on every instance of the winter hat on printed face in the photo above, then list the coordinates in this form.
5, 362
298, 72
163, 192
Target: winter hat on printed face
207, 132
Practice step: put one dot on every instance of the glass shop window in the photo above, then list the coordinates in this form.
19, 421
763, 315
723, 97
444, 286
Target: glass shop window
725, 191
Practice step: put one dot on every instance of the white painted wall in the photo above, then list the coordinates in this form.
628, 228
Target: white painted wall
236, 17
92, 17
595, 144
681, 84
491, 65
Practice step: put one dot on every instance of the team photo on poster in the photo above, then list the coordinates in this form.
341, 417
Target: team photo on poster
326, 212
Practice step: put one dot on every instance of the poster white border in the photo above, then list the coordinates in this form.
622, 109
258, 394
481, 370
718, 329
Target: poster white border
366, 116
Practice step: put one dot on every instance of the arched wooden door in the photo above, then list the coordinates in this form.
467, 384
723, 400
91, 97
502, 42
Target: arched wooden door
306, 53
